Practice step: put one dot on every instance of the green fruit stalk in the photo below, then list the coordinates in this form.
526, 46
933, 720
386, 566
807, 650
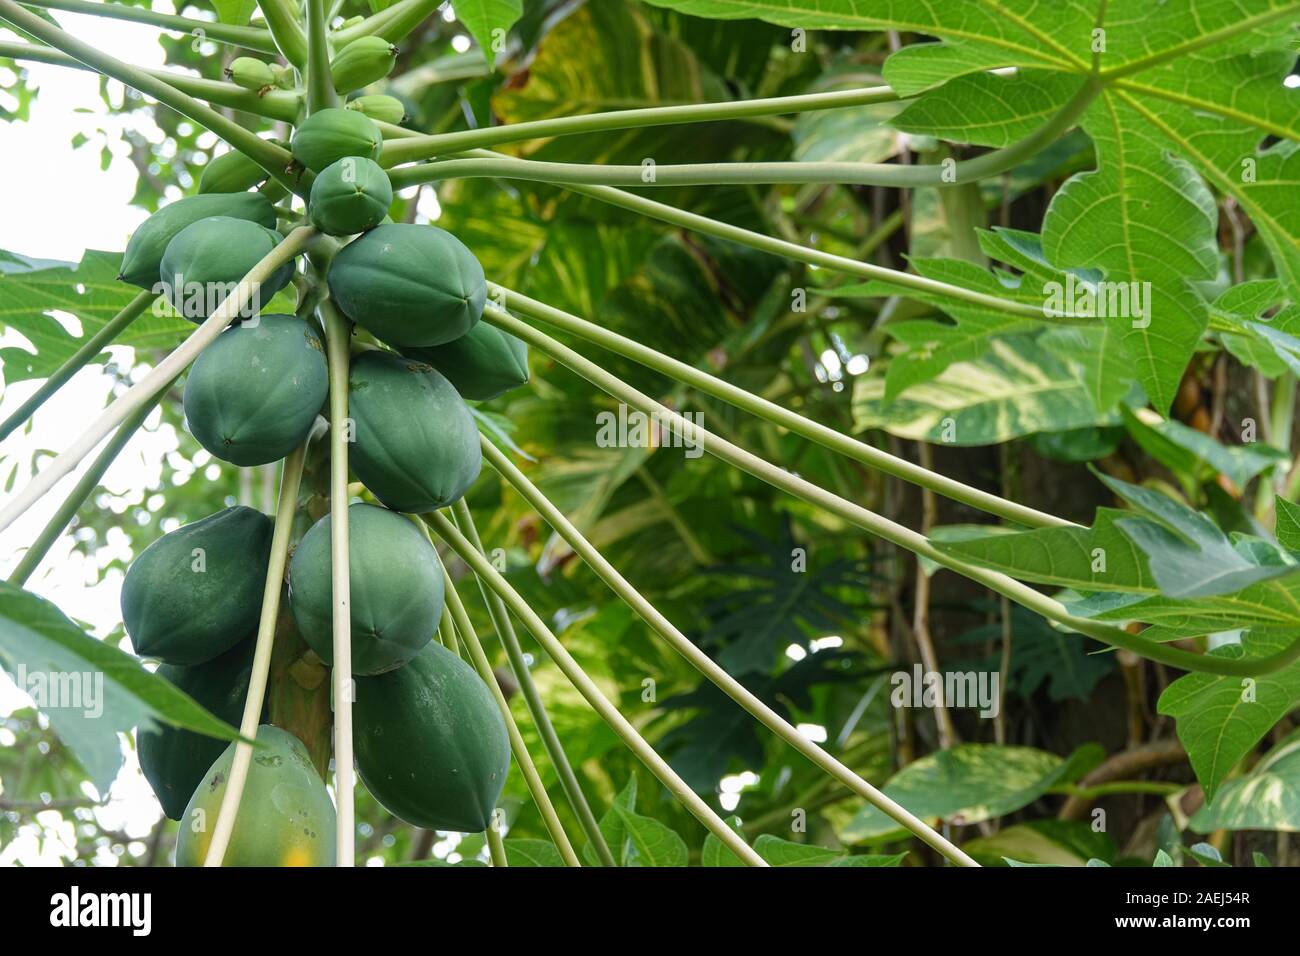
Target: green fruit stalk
207, 259
430, 743
411, 286
350, 196
327, 136
483, 363
143, 256
396, 589
253, 394
196, 592
416, 445
362, 62
285, 816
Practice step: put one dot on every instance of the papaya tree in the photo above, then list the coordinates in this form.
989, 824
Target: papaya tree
671, 422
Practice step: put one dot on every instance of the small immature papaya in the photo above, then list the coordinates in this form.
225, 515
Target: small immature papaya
175, 760
143, 256
380, 107
196, 592
350, 196
416, 447
410, 285
250, 73
430, 743
253, 394
362, 62
328, 135
285, 816
483, 363
396, 589
231, 172
207, 259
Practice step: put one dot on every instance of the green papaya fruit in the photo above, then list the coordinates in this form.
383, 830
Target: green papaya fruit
396, 589
430, 743
143, 256
196, 592
349, 196
483, 363
253, 394
416, 447
206, 260
379, 106
175, 760
231, 172
411, 286
285, 815
250, 73
328, 135
362, 62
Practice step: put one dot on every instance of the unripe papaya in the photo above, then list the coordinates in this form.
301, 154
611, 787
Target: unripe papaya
483, 363
396, 589
328, 135
285, 816
196, 592
250, 73
380, 107
430, 743
231, 172
416, 447
350, 196
174, 761
362, 62
412, 286
207, 259
143, 256
253, 394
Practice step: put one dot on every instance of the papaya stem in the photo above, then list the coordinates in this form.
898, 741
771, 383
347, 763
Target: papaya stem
496, 846
320, 86
274, 104
393, 23
156, 381
77, 361
532, 778
248, 37
416, 147
775, 414
337, 334
290, 480
77, 497
588, 688
705, 664
266, 154
882, 527
282, 20
532, 697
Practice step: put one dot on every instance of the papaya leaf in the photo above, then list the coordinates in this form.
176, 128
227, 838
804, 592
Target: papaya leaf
89, 690
1287, 527
523, 852
489, 21
1194, 455
1220, 719
90, 293
965, 784
649, 842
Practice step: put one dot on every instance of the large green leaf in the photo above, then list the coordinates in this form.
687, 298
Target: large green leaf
489, 20
89, 690
1220, 719
1266, 798
1017, 389
90, 293
966, 784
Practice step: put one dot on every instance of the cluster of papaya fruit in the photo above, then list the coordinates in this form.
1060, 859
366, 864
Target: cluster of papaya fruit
429, 741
